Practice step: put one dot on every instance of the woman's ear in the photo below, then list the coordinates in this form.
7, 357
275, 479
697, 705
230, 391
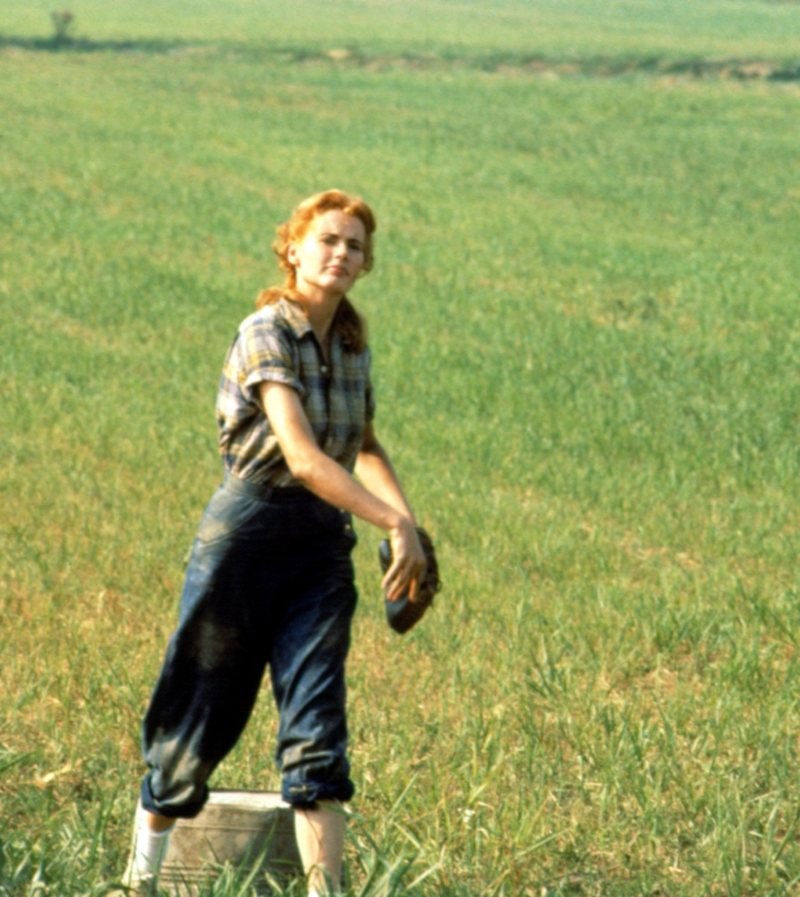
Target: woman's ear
291, 254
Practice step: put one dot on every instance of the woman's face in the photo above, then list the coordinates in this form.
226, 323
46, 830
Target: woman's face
330, 256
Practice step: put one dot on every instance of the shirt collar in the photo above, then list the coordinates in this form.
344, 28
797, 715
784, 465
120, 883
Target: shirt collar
292, 312
294, 316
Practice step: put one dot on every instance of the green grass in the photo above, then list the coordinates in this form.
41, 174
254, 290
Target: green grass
587, 345
470, 29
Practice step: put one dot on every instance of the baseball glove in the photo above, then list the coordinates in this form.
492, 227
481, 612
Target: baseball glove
402, 614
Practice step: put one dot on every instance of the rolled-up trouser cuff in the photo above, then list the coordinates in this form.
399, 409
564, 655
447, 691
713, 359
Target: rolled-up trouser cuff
182, 811
308, 795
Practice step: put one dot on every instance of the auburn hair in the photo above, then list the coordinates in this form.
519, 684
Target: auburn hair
347, 322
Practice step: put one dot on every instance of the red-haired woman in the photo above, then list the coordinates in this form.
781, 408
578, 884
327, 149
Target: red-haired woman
270, 579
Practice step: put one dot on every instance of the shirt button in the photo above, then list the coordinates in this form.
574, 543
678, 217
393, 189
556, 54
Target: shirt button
324, 368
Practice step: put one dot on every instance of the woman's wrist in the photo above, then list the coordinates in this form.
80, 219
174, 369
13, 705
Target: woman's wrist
400, 524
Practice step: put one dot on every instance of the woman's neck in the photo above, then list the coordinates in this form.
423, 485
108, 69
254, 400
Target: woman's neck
320, 309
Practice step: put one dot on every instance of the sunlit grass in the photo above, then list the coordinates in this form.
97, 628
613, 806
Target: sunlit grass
586, 345
508, 29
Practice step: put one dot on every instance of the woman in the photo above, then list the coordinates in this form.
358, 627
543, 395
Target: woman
270, 579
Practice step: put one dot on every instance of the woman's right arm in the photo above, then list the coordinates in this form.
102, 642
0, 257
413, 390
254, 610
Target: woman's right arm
332, 483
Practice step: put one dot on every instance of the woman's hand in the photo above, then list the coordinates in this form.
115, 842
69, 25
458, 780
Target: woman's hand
408, 562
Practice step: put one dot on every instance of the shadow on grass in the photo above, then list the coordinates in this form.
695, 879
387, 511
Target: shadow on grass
533, 64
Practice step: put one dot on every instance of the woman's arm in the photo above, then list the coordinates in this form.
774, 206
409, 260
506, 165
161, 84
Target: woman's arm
375, 471
332, 483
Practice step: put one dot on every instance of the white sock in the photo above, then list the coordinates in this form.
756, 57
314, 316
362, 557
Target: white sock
149, 851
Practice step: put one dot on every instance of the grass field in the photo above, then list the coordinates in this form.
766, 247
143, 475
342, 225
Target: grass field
584, 316
484, 32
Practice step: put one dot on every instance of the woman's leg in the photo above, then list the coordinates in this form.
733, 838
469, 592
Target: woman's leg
158, 823
201, 704
199, 708
307, 665
214, 663
149, 846
320, 840
207, 687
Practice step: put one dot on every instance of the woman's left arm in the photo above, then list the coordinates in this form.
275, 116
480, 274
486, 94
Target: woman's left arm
332, 483
375, 471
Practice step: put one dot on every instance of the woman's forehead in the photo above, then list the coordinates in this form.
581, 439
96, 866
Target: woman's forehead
340, 223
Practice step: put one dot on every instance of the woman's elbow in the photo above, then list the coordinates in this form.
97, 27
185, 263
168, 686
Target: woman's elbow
303, 468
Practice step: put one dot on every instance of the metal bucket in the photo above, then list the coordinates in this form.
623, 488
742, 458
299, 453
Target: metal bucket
250, 831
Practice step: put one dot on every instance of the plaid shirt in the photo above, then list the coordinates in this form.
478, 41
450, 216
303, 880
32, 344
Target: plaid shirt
277, 343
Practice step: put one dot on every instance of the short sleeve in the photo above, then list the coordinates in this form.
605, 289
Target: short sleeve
266, 353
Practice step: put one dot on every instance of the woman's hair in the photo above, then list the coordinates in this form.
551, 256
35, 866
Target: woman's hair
347, 322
